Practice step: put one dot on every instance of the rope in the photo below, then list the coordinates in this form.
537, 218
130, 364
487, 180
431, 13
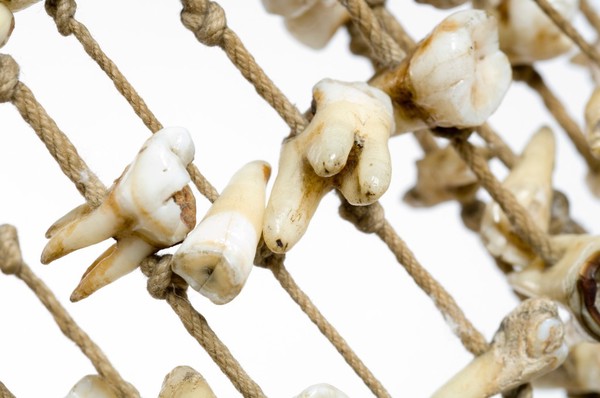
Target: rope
5, 392
497, 144
370, 219
569, 30
162, 284
590, 14
206, 19
11, 263
533, 79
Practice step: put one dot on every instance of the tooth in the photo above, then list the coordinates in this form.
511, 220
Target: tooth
530, 181
185, 382
150, 207
92, 386
317, 25
322, 391
572, 281
527, 34
592, 121
16, 5
456, 76
529, 343
288, 8
7, 24
217, 256
442, 176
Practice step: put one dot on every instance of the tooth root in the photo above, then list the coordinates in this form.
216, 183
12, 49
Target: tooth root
117, 261
100, 224
294, 199
185, 382
322, 391
328, 152
529, 343
92, 386
216, 257
75, 214
317, 25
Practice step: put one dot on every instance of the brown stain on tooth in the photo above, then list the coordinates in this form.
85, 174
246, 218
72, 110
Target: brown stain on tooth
187, 203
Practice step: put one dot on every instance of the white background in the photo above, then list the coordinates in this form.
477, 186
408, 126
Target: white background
350, 276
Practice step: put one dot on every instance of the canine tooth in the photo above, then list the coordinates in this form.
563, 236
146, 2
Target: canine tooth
217, 256
7, 24
529, 343
572, 281
530, 181
322, 391
592, 121
456, 77
185, 382
92, 386
317, 25
148, 208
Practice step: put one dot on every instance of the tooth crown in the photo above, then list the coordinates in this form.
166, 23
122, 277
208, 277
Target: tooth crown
322, 391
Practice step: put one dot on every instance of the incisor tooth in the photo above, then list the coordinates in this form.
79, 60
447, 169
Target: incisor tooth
185, 382
92, 386
456, 77
148, 208
322, 391
217, 256
529, 343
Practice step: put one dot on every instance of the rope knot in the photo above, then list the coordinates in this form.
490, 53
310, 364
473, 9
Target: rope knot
62, 11
10, 252
161, 279
368, 219
206, 19
9, 77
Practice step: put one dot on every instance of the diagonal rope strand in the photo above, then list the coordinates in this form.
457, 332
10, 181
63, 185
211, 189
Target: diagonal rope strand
5, 392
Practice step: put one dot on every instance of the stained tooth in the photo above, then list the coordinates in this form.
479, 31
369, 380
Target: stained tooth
149, 207
217, 256
529, 343
530, 181
592, 121
322, 391
527, 34
92, 386
185, 382
572, 281
7, 24
456, 77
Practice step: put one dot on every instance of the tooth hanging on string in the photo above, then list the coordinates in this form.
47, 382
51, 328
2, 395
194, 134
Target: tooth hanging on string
185, 382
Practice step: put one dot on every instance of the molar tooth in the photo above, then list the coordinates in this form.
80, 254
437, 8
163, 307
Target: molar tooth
529, 343
217, 256
321, 391
185, 382
456, 77
148, 208
530, 181
92, 386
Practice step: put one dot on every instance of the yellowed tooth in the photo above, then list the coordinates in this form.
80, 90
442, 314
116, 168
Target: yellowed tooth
92, 386
217, 256
529, 343
149, 207
288, 8
322, 391
530, 181
185, 382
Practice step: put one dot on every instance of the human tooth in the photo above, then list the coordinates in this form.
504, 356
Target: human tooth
92, 386
16, 5
150, 207
456, 77
442, 176
344, 146
288, 8
322, 391
7, 24
529, 343
185, 382
527, 34
530, 180
592, 121
572, 281
217, 256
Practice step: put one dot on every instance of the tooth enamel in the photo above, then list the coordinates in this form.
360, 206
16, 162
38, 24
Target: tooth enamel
185, 382
92, 386
521, 351
352, 121
322, 391
17, 5
7, 24
456, 77
592, 121
527, 34
530, 181
217, 256
149, 207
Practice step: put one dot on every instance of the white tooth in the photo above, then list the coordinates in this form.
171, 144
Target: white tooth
288, 8
530, 181
7, 24
92, 386
217, 256
16, 5
317, 25
529, 343
185, 382
527, 34
456, 77
592, 121
442, 176
572, 281
322, 391
149, 207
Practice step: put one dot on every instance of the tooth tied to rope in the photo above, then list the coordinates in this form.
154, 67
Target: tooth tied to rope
150, 207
